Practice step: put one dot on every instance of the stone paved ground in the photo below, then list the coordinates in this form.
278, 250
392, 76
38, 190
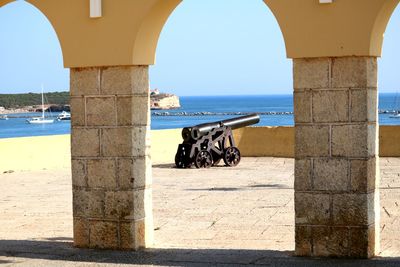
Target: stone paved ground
221, 216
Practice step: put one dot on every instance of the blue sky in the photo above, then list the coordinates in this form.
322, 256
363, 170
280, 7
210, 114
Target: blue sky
207, 47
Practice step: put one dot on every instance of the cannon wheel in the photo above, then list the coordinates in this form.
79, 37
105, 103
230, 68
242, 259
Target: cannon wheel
181, 161
203, 159
232, 156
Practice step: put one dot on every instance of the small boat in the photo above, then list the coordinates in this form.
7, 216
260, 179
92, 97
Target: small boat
395, 116
64, 116
42, 119
4, 117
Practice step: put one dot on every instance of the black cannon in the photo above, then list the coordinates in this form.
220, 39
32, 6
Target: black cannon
206, 144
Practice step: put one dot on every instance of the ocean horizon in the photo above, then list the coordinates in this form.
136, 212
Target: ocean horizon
276, 110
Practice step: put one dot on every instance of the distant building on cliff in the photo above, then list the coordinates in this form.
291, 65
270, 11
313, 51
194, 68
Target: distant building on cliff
163, 101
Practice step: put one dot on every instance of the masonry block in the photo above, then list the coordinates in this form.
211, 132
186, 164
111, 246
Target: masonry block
331, 241
303, 240
88, 203
312, 208
125, 80
354, 72
303, 173
133, 110
84, 81
102, 173
331, 174
142, 204
363, 175
79, 174
81, 232
77, 111
101, 111
103, 234
118, 142
311, 141
119, 205
302, 106
353, 209
354, 140
311, 73
330, 106
134, 173
364, 105
85, 142
362, 242
127, 235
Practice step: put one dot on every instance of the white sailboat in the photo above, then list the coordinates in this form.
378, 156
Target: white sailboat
40, 120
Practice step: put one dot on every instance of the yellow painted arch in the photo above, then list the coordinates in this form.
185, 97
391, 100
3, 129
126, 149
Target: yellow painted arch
128, 32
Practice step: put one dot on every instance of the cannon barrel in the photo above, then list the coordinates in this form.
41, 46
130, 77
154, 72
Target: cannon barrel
195, 132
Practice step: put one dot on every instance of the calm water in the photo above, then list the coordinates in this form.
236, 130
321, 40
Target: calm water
212, 104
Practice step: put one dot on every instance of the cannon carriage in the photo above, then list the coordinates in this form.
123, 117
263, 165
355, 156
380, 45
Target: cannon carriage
205, 145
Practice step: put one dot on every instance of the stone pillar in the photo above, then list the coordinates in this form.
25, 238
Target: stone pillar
111, 166
336, 160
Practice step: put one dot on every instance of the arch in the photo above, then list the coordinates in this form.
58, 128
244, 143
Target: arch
5, 2
150, 30
380, 25
312, 29
128, 32
145, 46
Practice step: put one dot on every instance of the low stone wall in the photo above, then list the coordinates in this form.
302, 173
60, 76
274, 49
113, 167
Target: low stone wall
53, 152
264, 142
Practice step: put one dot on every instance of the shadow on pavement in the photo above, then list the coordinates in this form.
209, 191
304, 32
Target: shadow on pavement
251, 187
64, 251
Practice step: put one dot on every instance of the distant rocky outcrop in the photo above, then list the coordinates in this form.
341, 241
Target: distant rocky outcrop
53, 108
163, 101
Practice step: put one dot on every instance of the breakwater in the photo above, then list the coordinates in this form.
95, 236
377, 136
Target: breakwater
269, 113
205, 113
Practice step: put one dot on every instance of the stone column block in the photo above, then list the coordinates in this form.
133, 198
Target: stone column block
353, 209
354, 72
85, 142
119, 205
81, 233
133, 110
104, 234
125, 81
364, 105
303, 174
77, 111
102, 173
331, 174
303, 106
311, 73
134, 173
312, 141
101, 111
336, 197
312, 208
354, 140
84, 81
363, 175
335, 103
111, 166
79, 173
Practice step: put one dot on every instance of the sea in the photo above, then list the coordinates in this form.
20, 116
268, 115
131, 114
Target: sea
276, 110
